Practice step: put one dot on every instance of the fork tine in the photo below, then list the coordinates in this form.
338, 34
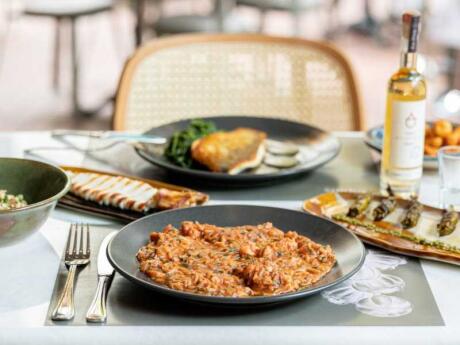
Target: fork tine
88, 248
82, 248
70, 242
83, 240
76, 242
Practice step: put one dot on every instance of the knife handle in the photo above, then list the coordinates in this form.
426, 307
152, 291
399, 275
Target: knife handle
97, 312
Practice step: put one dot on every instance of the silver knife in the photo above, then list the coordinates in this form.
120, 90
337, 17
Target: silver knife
117, 136
97, 312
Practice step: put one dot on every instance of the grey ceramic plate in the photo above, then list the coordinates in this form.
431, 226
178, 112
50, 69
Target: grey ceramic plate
321, 144
374, 139
348, 248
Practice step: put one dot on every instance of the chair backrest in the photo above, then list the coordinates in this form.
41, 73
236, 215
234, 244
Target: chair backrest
198, 75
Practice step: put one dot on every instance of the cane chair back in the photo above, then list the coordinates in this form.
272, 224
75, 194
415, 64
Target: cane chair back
190, 76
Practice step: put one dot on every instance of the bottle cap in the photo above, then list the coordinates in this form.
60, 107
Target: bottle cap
411, 29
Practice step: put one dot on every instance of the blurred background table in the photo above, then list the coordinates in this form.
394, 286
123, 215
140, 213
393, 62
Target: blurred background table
108, 31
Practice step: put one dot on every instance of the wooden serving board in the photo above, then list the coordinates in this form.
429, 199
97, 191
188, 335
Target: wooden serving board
73, 202
327, 204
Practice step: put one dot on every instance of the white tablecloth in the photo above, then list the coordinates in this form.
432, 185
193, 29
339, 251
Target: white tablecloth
25, 296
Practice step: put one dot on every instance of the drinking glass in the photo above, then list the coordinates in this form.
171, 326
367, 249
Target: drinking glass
449, 174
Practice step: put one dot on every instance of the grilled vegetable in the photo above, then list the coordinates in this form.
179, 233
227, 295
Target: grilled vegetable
448, 222
359, 205
386, 206
412, 215
178, 149
281, 148
280, 161
390, 191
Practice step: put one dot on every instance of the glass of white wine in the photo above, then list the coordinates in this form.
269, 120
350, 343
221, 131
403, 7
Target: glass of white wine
449, 174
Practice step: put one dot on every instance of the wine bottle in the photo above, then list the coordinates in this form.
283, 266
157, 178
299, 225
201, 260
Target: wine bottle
404, 134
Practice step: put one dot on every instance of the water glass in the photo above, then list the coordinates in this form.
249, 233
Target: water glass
449, 174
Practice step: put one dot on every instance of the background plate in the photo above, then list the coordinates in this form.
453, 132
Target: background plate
320, 204
374, 139
348, 248
326, 145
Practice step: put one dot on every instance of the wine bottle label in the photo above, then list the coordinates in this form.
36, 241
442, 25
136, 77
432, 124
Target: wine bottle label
407, 134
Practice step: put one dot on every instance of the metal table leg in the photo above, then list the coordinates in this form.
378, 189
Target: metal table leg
76, 109
369, 25
57, 53
74, 64
140, 8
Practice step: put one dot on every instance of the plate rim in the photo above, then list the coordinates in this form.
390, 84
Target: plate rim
237, 300
240, 177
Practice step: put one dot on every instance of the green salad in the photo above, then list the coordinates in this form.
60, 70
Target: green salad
180, 143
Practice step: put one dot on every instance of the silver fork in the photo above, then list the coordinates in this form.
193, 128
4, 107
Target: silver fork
76, 254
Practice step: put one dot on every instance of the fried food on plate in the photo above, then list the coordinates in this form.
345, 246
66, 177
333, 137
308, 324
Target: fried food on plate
442, 128
230, 152
440, 134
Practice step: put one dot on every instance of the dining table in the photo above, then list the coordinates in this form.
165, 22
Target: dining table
28, 269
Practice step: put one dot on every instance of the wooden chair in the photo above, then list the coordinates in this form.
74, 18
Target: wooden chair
188, 76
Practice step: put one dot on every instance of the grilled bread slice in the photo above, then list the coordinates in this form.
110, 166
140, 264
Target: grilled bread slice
230, 152
130, 194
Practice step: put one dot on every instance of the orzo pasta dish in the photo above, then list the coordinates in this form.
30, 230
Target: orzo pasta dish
234, 261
